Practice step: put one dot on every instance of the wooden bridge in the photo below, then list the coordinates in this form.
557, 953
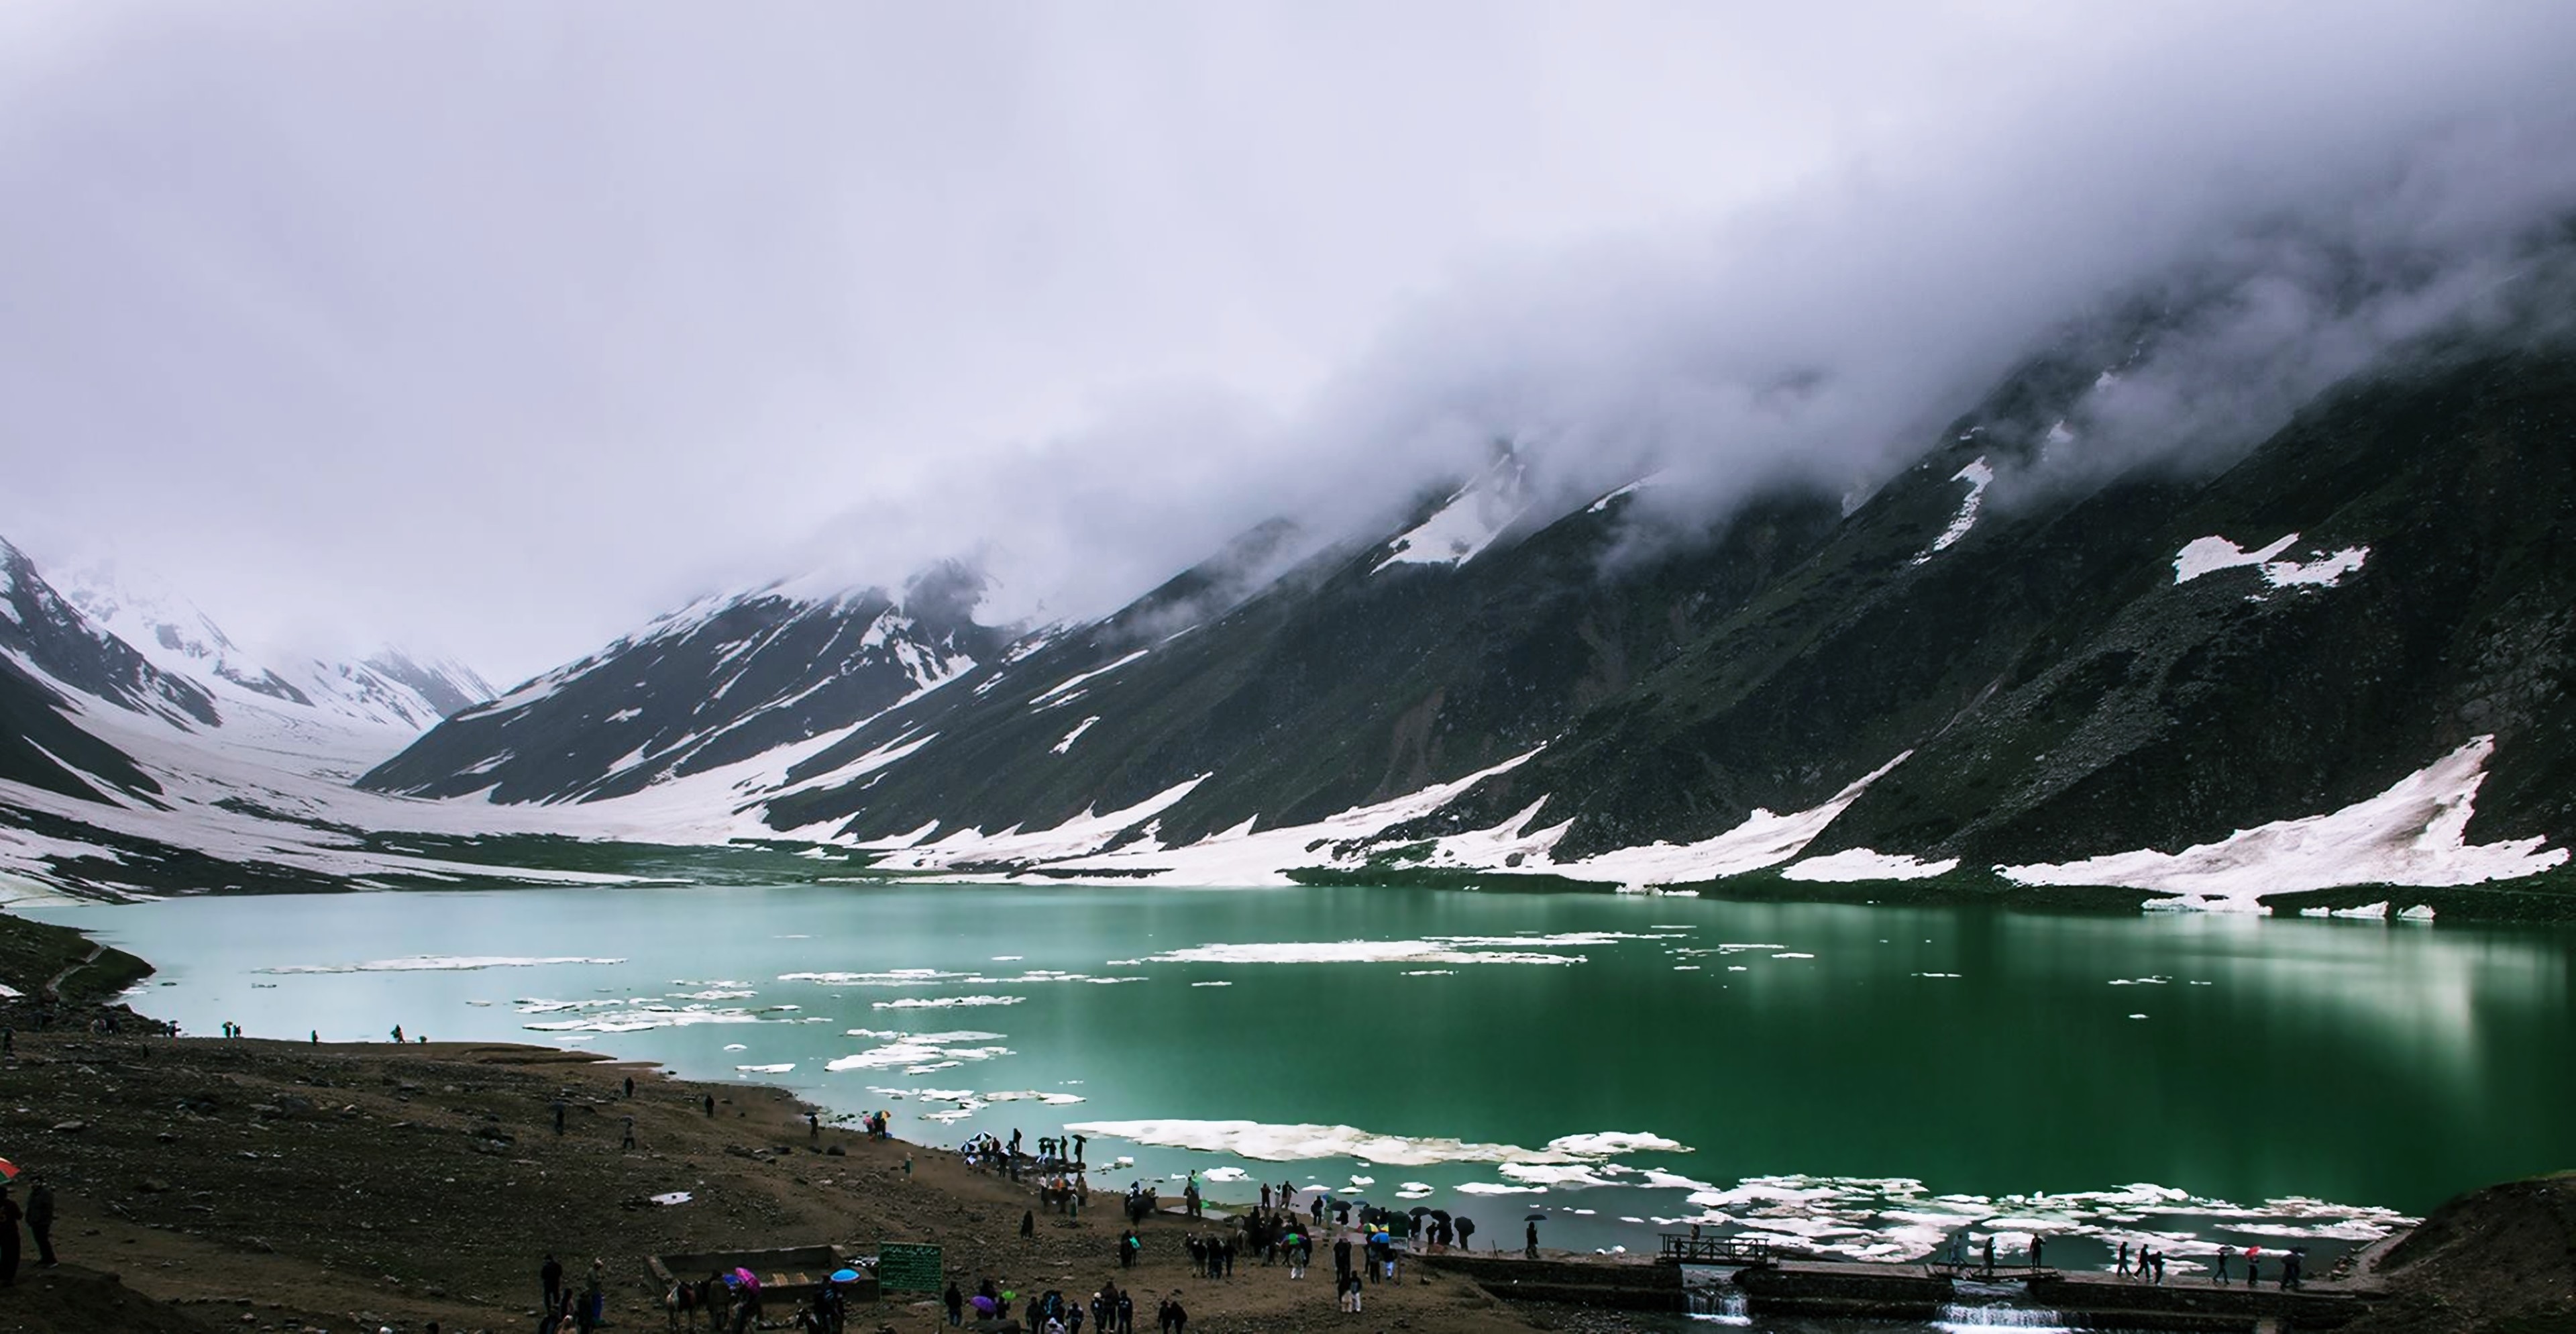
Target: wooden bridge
1680, 1248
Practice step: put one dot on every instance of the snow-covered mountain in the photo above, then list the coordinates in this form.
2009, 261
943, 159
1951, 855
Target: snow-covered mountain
729, 678
388, 690
2341, 659
2329, 667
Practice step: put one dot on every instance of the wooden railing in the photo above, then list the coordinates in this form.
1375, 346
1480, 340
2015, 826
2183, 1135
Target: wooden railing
1681, 1248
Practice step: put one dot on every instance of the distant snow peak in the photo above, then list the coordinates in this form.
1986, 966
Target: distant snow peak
1468, 522
2209, 555
391, 689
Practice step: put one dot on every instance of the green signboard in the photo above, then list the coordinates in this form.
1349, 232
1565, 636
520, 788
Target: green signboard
908, 1268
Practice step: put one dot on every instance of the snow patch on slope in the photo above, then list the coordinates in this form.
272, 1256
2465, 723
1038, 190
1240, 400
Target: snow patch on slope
1076, 734
1462, 528
2414, 833
2209, 555
1076, 680
1240, 857
1978, 475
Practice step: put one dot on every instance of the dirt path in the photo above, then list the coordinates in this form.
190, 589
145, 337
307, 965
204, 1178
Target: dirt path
54, 986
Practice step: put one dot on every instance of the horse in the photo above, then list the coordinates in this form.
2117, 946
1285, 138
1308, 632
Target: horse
695, 1299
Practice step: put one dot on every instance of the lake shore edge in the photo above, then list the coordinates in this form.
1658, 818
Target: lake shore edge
273, 1185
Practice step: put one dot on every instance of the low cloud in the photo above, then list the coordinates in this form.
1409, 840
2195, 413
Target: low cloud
506, 328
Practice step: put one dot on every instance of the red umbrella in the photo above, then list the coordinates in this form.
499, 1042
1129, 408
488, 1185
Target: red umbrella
8, 1170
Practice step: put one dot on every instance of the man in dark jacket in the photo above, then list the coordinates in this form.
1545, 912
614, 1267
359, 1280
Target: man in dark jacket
40, 1220
551, 1275
8, 1238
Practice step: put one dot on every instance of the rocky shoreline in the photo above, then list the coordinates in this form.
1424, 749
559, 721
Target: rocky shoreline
258, 1186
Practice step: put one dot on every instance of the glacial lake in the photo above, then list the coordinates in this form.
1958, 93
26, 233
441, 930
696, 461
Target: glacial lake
1871, 1080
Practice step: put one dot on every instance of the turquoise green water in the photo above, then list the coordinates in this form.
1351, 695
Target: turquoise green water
1894, 1056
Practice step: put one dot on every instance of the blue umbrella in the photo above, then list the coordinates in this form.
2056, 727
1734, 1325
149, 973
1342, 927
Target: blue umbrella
845, 1276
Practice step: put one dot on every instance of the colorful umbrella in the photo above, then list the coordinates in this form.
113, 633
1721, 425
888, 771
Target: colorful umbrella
8, 1170
749, 1279
845, 1276
983, 1303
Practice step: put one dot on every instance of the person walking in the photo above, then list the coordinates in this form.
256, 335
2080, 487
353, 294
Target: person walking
550, 1275
2253, 1268
813, 1128
8, 1238
630, 1086
40, 1219
2219, 1275
955, 1301
629, 1141
1529, 1241
2123, 1270
711, 1105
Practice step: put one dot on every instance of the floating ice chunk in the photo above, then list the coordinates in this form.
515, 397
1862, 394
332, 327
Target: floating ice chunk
779, 1068
1226, 1174
436, 963
1266, 1142
943, 1002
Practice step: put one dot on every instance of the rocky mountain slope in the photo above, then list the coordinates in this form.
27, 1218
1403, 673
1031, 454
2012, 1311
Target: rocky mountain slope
2340, 658
721, 681
2327, 647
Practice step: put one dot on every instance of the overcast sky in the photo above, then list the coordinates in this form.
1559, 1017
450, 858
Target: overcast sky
499, 328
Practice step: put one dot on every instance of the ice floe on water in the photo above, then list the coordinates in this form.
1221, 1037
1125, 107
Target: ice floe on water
919, 1053
895, 977
1899, 1219
1266, 1142
426, 963
778, 1068
1433, 949
633, 1015
943, 1002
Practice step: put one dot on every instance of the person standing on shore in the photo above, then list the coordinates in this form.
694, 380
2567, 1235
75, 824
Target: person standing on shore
2036, 1242
2123, 1270
2219, 1276
551, 1275
40, 1219
8, 1238
955, 1301
1529, 1247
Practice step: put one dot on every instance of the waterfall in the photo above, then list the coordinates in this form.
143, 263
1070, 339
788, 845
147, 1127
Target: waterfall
1720, 1306
1711, 1297
1960, 1318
